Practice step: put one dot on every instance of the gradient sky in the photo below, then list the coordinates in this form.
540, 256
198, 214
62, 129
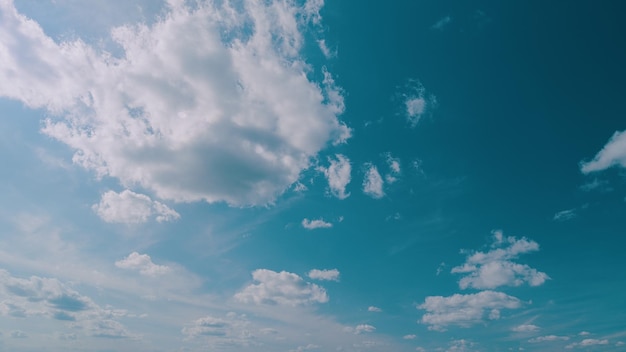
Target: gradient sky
307, 176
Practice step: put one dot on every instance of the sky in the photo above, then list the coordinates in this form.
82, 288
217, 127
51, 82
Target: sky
310, 175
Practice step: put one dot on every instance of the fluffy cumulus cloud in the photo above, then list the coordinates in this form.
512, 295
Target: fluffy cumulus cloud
612, 154
338, 175
465, 310
50, 298
315, 224
143, 264
327, 275
208, 103
587, 343
495, 268
373, 182
281, 288
132, 208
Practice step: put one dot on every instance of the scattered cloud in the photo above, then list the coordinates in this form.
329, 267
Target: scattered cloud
587, 343
281, 288
338, 175
442, 23
208, 103
548, 338
374, 309
409, 337
613, 153
363, 328
495, 268
394, 169
315, 224
416, 102
326, 275
143, 264
565, 215
526, 328
584, 333
465, 310
373, 182
132, 208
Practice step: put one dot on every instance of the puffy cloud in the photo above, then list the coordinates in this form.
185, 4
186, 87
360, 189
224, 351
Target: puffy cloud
142, 263
207, 103
488, 270
338, 175
132, 208
373, 182
587, 343
548, 338
613, 153
526, 328
281, 288
328, 275
565, 215
465, 310
374, 309
394, 169
315, 224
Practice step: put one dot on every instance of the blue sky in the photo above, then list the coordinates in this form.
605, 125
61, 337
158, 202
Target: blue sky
312, 176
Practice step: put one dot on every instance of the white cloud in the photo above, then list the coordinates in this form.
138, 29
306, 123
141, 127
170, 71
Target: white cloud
587, 343
363, 328
442, 23
548, 338
211, 103
309, 347
409, 337
613, 153
374, 309
465, 310
620, 343
495, 268
132, 208
373, 182
394, 169
526, 328
584, 333
325, 50
565, 215
328, 275
416, 102
142, 263
338, 175
232, 329
281, 288
315, 224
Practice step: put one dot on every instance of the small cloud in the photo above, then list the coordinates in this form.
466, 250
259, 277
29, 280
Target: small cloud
373, 182
612, 154
584, 333
328, 275
440, 268
565, 215
280, 288
338, 175
442, 23
325, 50
409, 337
596, 185
587, 343
363, 328
548, 338
129, 207
416, 102
620, 343
315, 224
142, 263
299, 187
394, 168
526, 328
374, 309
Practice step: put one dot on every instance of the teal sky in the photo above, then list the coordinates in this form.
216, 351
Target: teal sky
312, 176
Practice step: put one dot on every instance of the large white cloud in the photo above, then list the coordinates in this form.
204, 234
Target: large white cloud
143, 264
132, 208
495, 268
613, 153
211, 103
281, 288
465, 310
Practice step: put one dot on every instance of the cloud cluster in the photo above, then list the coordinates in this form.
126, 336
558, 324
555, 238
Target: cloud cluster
132, 208
465, 310
143, 264
208, 103
281, 288
495, 268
